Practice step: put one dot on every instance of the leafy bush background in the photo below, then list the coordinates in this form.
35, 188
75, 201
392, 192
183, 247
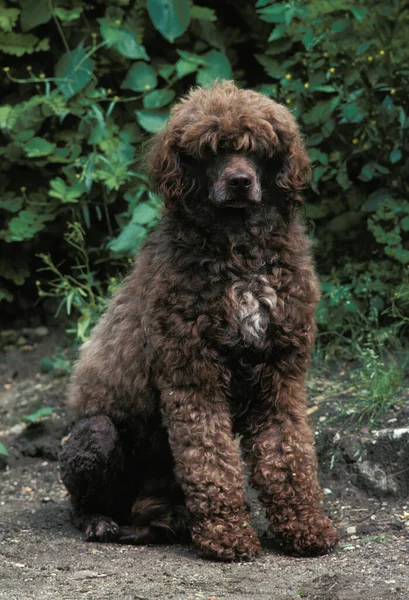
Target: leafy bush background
84, 84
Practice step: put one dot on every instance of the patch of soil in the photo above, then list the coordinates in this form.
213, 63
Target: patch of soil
43, 556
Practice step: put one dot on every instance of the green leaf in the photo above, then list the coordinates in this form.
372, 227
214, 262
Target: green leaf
38, 414
18, 44
83, 324
3, 450
76, 69
405, 224
68, 15
5, 112
272, 67
14, 270
203, 13
170, 17
359, 12
8, 17
151, 121
10, 202
38, 147
276, 13
185, 67
395, 156
25, 225
34, 13
122, 39
218, 67
66, 194
344, 222
193, 58
128, 240
143, 214
375, 200
140, 78
158, 98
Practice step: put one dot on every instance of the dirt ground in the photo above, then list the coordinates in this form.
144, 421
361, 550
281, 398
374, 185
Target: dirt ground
44, 557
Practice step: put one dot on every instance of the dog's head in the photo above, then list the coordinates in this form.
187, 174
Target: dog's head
231, 148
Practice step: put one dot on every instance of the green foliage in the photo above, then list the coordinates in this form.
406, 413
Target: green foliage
378, 382
37, 415
83, 85
3, 450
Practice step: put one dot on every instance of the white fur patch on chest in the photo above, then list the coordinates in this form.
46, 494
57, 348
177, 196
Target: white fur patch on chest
251, 304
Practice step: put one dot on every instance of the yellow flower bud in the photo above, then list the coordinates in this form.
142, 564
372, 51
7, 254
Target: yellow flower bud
116, 98
325, 54
118, 22
93, 34
355, 141
29, 67
23, 188
6, 69
77, 175
393, 92
109, 91
306, 85
332, 70
147, 87
370, 58
42, 76
288, 76
382, 52
288, 101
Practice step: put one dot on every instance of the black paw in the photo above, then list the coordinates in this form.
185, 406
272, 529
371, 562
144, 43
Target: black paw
102, 529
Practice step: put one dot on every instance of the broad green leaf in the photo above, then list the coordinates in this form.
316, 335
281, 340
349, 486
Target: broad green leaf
38, 147
203, 13
3, 450
122, 39
17, 44
344, 222
8, 17
185, 67
14, 270
218, 67
76, 69
66, 194
143, 214
395, 156
128, 240
158, 98
274, 13
375, 199
140, 78
272, 66
193, 58
68, 15
34, 12
405, 224
170, 17
359, 12
151, 121
26, 225
38, 414
10, 202
5, 112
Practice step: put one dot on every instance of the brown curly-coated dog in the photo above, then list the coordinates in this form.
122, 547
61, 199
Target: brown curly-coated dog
210, 335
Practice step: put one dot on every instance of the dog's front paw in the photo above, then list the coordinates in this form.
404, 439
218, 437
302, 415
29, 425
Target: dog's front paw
101, 529
309, 537
226, 540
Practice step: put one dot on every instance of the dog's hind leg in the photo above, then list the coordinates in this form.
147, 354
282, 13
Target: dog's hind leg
92, 466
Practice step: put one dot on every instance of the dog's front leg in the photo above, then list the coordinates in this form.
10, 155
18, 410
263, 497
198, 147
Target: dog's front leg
280, 448
209, 469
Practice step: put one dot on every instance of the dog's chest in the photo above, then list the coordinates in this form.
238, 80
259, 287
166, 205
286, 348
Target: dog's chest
250, 305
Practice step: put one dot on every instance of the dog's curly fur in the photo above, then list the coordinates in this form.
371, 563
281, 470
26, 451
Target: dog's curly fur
210, 335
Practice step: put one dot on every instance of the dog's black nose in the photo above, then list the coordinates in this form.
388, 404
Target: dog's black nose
239, 180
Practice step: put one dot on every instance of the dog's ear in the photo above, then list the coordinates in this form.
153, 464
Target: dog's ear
166, 169
296, 172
